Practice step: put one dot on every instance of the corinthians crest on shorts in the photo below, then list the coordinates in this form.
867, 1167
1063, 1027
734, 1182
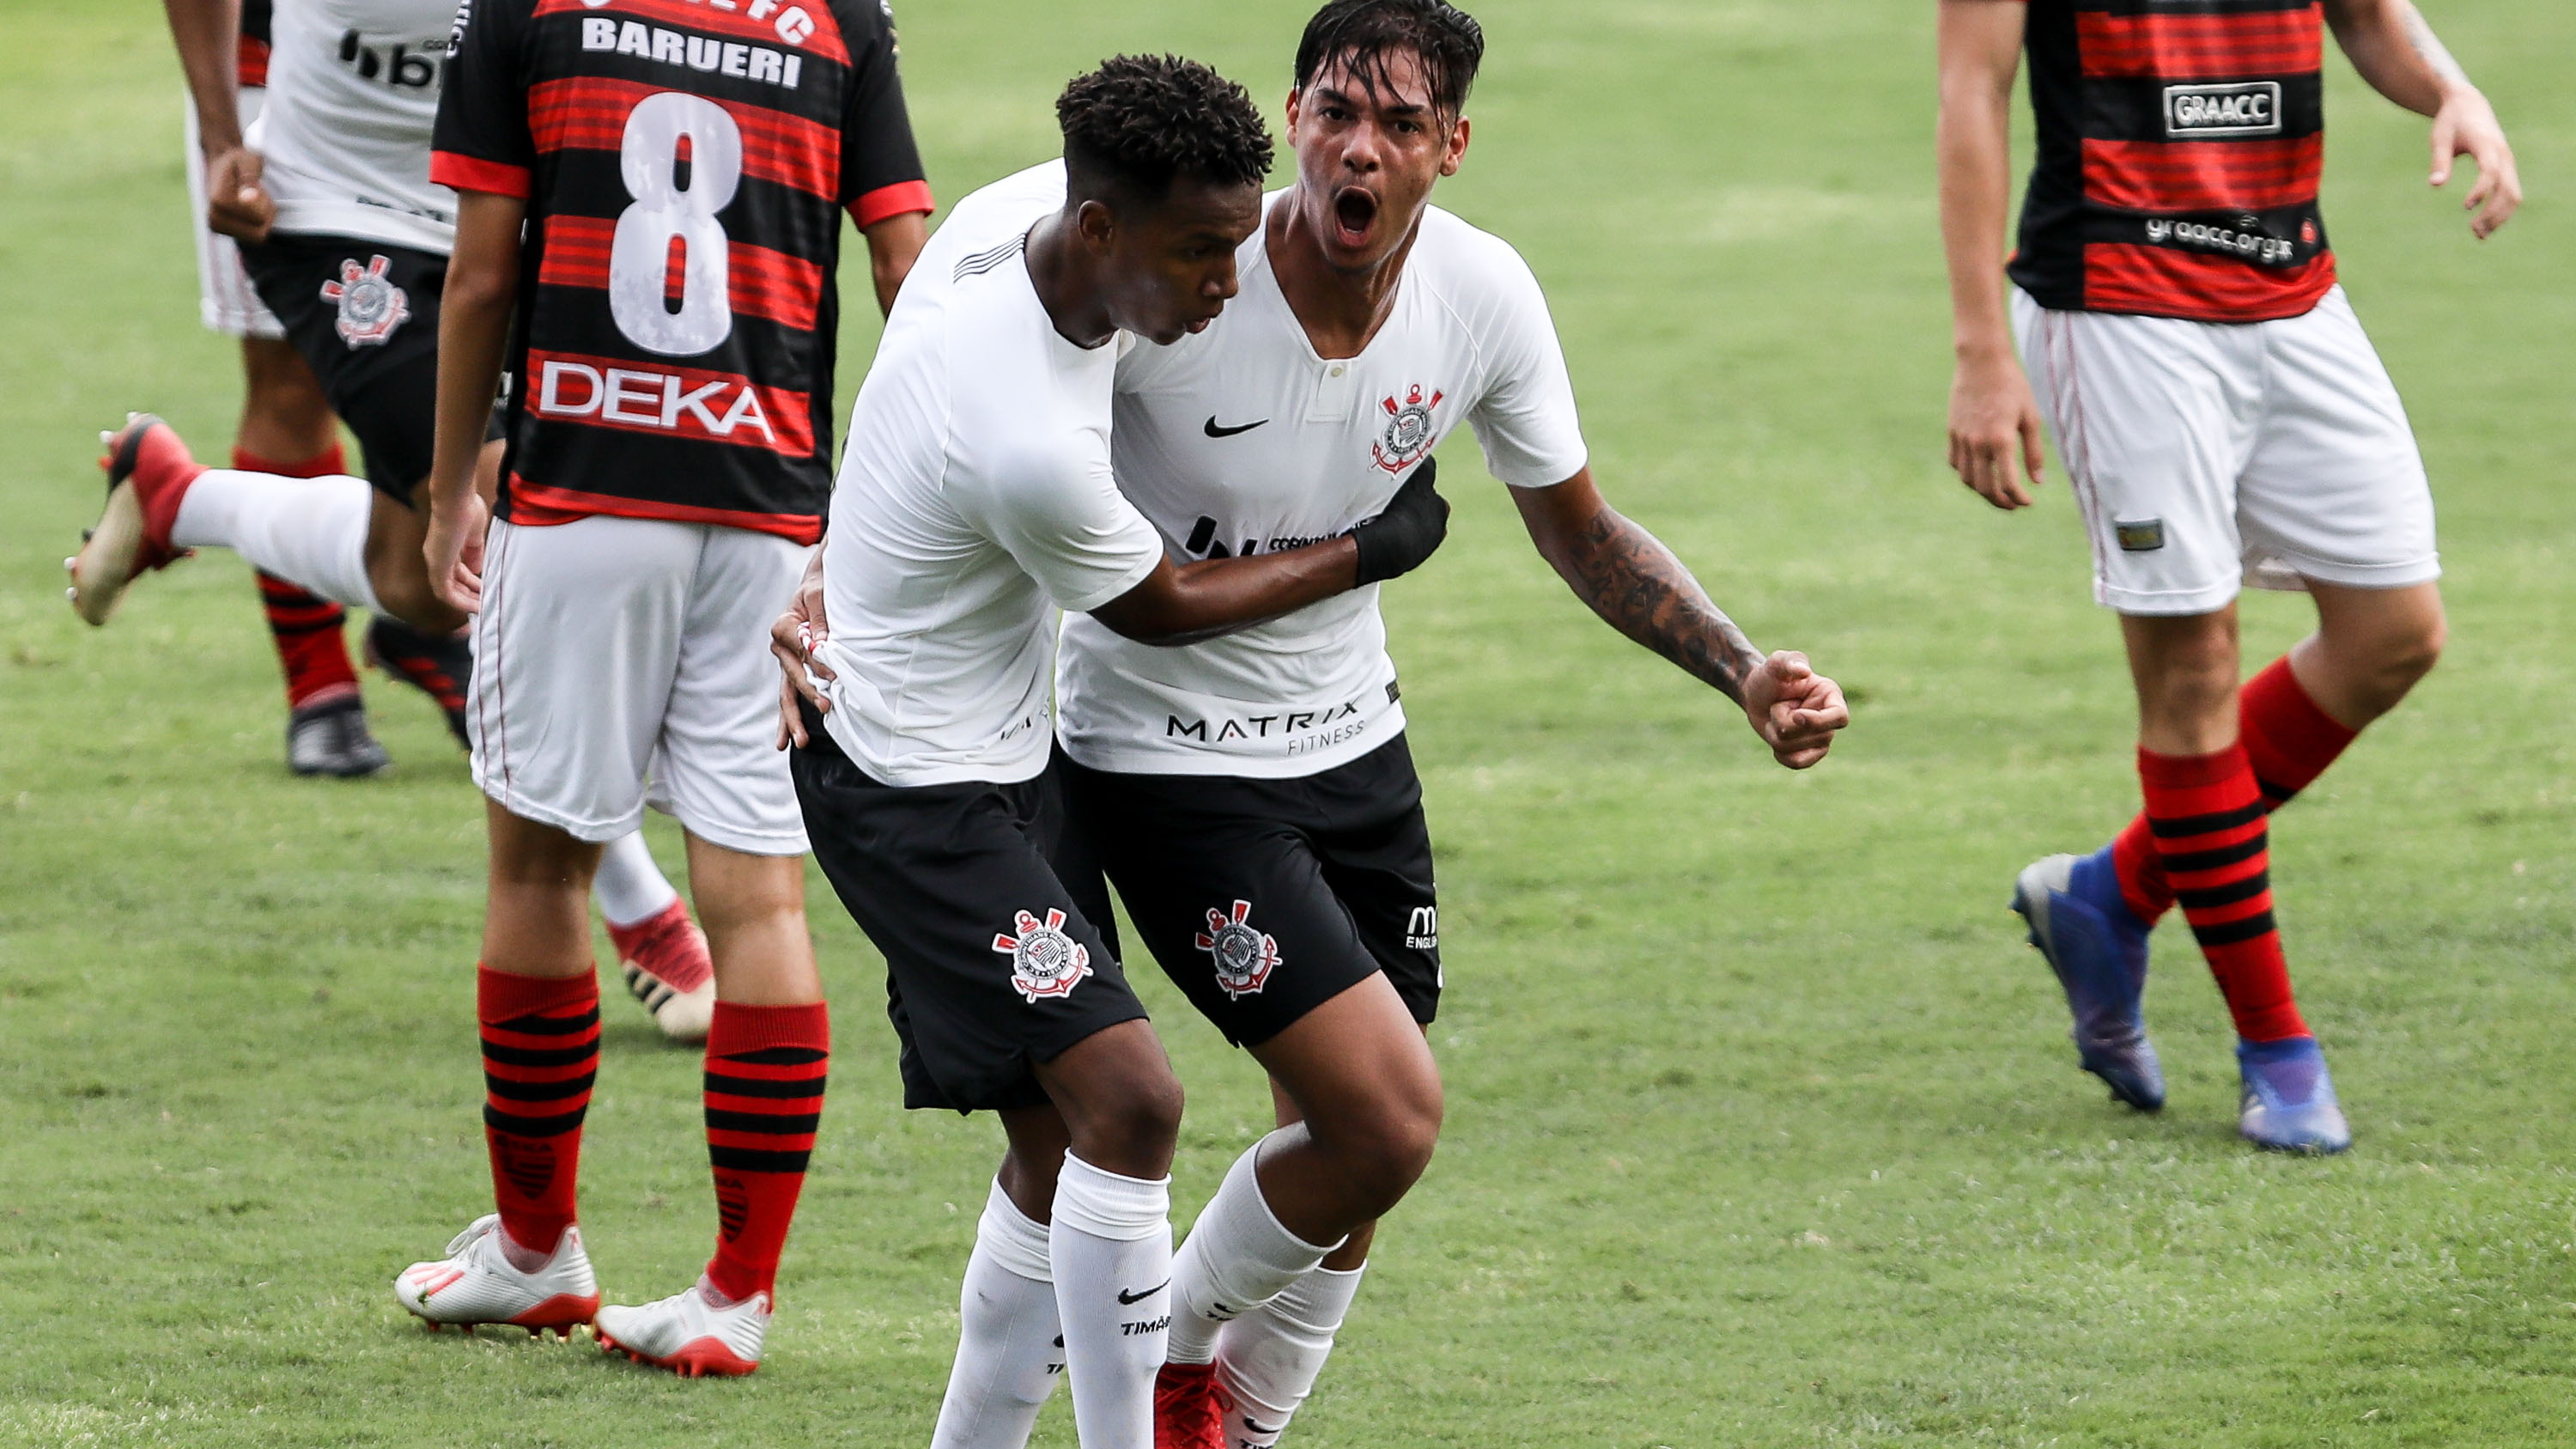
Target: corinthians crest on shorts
1244, 957
371, 306
1044, 960
1408, 432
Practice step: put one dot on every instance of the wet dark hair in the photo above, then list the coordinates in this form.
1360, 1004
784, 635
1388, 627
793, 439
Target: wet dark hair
1362, 34
1140, 121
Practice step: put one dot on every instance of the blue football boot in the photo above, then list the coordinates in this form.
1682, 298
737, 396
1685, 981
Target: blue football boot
2098, 949
2289, 1103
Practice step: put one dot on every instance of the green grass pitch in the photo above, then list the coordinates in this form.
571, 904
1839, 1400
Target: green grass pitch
1763, 1128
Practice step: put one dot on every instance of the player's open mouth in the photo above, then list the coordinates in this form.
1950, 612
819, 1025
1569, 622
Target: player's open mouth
1354, 212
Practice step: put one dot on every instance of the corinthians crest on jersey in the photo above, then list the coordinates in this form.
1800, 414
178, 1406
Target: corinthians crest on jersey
371, 306
1244, 957
1045, 961
1408, 433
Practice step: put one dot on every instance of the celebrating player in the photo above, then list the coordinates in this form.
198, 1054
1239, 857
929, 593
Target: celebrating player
2225, 420
678, 171
976, 499
284, 415
1253, 796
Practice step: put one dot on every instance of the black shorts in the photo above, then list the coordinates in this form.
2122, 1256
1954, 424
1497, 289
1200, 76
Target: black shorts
993, 962
1263, 899
364, 315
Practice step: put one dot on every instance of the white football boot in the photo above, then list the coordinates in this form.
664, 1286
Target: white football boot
689, 1333
476, 1284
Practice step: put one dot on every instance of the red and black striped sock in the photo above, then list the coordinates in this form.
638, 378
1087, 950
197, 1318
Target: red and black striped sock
2290, 742
765, 1074
540, 1055
2213, 833
304, 625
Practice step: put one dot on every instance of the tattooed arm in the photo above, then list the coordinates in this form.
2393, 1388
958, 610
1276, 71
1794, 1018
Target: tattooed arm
1635, 584
2397, 52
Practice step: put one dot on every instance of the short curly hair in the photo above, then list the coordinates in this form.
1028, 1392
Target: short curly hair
1361, 34
1140, 121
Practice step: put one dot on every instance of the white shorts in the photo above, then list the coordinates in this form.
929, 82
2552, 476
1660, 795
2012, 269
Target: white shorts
226, 300
2208, 455
621, 662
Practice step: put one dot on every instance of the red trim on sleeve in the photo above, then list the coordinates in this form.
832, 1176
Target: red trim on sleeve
535, 505
895, 200
250, 62
468, 173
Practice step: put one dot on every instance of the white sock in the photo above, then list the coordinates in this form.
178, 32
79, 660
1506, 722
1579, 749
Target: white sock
629, 886
1010, 1349
311, 532
1268, 1359
1237, 1257
1110, 1252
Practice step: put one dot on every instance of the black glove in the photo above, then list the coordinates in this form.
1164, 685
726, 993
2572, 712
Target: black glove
1397, 541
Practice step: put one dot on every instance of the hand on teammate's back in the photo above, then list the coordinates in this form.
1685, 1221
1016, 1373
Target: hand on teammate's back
237, 203
2467, 126
1994, 424
793, 637
1794, 709
1415, 522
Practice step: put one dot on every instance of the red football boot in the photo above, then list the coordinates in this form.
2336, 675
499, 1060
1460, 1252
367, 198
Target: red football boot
148, 472
1187, 1414
664, 959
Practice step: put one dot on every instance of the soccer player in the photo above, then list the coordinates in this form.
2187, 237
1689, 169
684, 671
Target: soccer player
1253, 796
656, 190
2225, 421
284, 415
976, 500
347, 236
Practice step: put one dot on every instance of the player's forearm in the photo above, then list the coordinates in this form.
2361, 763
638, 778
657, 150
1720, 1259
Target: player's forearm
473, 333
894, 244
1185, 603
2393, 48
208, 36
1639, 588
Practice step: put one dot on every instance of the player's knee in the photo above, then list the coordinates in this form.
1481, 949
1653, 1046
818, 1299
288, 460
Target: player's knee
1125, 1120
2412, 653
1137, 1122
1385, 1153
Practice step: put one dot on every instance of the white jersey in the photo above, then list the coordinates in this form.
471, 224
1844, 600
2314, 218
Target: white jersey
1241, 440
975, 499
352, 92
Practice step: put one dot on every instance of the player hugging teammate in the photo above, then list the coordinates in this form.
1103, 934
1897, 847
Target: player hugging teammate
1251, 795
2224, 420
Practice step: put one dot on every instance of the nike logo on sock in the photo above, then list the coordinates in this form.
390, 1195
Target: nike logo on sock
1254, 1426
1125, 1297
1214, 431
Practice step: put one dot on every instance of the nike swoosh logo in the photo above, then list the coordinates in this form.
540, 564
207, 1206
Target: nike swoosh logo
1214, 431
1125, 1297
1252, 1427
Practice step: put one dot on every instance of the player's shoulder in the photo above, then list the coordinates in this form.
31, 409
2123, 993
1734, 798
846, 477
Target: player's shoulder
995, 213
1477, 275
863, 23
512, 15
1460, 251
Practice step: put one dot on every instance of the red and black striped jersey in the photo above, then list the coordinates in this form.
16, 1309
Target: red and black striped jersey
685, 164
2180, 147
250, 56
